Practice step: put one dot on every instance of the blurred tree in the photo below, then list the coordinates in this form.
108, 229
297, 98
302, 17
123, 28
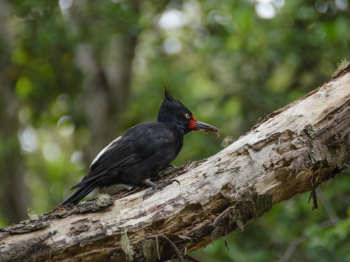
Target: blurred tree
106, 62
76, 74
14, 196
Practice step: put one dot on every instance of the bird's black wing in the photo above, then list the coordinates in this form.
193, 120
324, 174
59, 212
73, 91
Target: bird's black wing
136, 145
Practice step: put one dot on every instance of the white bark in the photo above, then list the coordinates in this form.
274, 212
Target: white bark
291, 151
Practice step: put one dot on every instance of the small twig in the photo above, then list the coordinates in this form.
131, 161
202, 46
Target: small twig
313, 193
226, 243
291, 248
177, 251
329, 208
185, 237
192, 259
310, 197
227, 197
157, 247
226, 212
53, 240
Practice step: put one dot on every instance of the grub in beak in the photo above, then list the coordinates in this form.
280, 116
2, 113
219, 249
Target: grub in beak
207, 128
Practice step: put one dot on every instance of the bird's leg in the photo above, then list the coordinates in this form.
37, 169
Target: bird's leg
150, 183
156, 187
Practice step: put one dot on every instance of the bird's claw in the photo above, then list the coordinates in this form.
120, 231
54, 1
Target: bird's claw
174, 180
166, 183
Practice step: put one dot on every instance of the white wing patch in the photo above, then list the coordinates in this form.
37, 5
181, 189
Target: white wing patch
103, 151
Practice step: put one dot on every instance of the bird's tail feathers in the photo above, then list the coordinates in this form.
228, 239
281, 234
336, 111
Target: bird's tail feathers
80, 193
89, 179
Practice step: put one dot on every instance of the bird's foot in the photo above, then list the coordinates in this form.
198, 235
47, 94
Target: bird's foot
155, 189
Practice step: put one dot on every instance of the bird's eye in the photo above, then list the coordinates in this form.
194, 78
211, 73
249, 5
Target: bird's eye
187, 116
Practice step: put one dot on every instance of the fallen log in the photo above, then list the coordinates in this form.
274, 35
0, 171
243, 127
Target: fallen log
289, 152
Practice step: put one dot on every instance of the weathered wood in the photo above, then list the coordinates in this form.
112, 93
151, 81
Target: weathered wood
291, 151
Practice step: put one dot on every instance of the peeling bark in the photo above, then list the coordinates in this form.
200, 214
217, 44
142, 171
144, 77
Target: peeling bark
291, 151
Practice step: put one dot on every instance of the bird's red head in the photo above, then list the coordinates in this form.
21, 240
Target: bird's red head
174, 113
192, 124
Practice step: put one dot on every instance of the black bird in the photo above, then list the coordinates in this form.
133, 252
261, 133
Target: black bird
142, 151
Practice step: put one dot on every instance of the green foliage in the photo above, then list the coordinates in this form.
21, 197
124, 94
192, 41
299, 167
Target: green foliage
63, 70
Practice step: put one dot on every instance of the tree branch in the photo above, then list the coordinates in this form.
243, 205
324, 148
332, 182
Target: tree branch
291, 151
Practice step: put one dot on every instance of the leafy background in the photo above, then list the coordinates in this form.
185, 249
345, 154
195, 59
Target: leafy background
77, 74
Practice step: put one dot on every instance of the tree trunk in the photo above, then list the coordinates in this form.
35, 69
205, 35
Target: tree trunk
14, 193
108, 73
291, 151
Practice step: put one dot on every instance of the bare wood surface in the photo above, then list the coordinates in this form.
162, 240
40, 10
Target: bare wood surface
290, 151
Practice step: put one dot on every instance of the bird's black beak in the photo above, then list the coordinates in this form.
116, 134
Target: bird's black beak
197, 125
205, 127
